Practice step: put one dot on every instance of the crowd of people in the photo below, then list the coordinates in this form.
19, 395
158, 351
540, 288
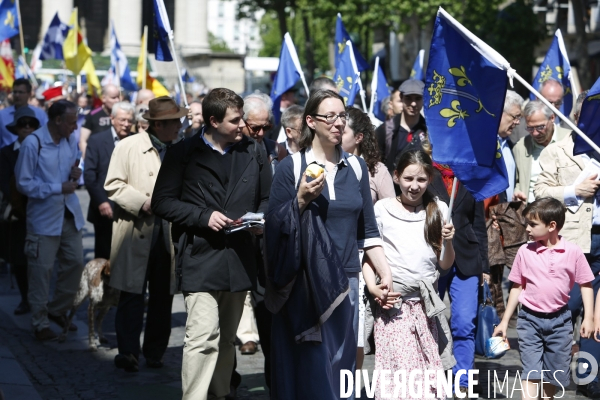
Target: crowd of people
351, 260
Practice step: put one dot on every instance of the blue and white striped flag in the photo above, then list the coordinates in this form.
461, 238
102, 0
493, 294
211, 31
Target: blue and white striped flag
118, 63
52, 46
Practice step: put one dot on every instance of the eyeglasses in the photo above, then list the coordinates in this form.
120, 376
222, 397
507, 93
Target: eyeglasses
556, 103
27, 122
256, 129
539, 128
331, 118
514, 117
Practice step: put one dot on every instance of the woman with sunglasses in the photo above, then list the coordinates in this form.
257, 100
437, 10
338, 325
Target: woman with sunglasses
314, 229
23, 124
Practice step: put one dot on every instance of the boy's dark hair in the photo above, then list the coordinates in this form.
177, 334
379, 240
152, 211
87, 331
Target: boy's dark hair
547, 210
216, 103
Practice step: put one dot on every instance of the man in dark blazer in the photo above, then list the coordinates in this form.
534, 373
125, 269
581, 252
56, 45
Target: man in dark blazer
204, 185
97, 158
471, 260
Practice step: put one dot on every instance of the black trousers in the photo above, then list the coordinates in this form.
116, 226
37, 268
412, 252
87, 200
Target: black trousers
102, 237
129, 319
16, 255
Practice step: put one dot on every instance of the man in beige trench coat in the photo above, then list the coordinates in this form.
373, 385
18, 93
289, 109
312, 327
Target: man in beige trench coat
141, 250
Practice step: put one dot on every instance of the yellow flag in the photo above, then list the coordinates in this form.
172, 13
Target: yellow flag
75, 51
151, 83
92, 79
6, 77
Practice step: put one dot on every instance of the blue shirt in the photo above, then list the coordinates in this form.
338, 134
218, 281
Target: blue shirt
345, 205
7, 116
40, 178
511, 167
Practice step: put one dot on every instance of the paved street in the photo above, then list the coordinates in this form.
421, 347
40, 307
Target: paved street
33, 370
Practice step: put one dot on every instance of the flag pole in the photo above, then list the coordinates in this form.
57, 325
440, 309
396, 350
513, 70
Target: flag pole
513, 73
21, 29
178, 69
355, 68
449, 215
362, 94
144, 49
374, 86
287, 41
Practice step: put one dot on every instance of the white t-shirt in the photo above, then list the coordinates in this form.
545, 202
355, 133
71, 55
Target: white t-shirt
409, 256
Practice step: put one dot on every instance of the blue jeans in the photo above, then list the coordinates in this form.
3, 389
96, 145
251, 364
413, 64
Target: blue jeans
576, 303
463, 292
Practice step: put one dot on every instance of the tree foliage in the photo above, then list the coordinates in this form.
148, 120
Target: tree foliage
218, 45
504, 29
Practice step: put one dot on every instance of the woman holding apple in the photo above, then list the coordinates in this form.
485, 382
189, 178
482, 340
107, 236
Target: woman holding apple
320, 215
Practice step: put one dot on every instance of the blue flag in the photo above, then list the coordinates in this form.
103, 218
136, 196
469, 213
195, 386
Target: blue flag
186, 77
9, 19
556, 66
417, 69
380, 91
52, 46
589, 120
346, 76
465, 87
118, 63
161, 32
288, 73
341, 37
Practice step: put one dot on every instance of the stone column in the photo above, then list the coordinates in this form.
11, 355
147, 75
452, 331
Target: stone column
127, 19
50, 7
191, 34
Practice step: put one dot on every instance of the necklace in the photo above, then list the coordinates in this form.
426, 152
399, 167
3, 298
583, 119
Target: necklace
408, 205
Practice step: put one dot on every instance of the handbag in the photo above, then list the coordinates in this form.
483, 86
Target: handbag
487, 319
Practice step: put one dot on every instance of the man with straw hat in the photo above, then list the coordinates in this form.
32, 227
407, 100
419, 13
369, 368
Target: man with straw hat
141, 250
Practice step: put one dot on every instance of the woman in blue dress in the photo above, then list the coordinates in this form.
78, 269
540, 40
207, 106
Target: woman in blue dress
314, 229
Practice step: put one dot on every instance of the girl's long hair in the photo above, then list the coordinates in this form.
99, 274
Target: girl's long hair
433, 219
369, 151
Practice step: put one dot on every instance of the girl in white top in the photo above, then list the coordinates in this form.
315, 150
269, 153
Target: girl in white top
412, 229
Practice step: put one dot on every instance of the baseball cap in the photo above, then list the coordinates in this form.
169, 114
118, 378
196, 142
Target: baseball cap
412, 86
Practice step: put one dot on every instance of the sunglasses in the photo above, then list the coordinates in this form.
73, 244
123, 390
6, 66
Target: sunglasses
256, 129
28, 122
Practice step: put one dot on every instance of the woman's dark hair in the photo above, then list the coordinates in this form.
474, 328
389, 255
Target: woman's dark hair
60, 108
312, 108
360, 122
433, 219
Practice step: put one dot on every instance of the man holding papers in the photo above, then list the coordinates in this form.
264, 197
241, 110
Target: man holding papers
573, 180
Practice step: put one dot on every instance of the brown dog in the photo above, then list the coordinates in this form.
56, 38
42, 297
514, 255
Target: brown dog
94, 284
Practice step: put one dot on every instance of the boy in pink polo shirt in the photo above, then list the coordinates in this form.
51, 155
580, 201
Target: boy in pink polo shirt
543, 274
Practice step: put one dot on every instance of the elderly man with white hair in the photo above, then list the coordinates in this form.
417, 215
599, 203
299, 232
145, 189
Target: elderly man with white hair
511, 116
542, 131
258, 114
99, 150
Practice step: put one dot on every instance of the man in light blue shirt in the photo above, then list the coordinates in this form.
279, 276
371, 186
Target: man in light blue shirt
21, 93
46, 172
